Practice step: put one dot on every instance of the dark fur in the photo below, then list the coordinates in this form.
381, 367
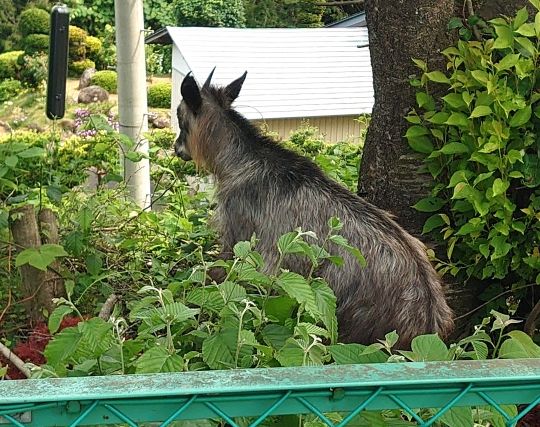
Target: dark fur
265, 189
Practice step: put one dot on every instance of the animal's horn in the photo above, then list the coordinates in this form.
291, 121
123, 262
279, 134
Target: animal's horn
206, 84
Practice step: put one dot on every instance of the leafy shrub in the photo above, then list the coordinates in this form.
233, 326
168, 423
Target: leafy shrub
216, 13
107, 79
9, 88
93, 45
77, 35
35, 43
7, 23
76, 68
159, 95
481, 146
9, 64
34, 21
163, 138
34, 70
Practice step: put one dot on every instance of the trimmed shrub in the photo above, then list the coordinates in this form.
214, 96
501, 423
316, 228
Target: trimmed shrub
35, 43
93, 45
8, 20
34, 69
76, 68
9, 64
9, 88
159, 95
34, 21
77, 35
107, 79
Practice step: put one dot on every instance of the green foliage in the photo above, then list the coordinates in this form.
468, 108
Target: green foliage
9, 64
107, 79
159, 95
210, 13
34, 69
93, 44
158, 14
77, 35
284, 13
93, 15
8, 21
76, 68
34, 21
481, 142
9, 88
340, 160
35, 43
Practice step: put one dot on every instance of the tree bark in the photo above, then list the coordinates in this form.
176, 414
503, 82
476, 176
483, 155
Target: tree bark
48, 227
390, 176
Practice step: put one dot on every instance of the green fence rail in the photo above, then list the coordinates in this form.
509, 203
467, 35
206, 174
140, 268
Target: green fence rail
262, 393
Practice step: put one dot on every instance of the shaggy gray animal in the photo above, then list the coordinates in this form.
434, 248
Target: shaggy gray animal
265, 189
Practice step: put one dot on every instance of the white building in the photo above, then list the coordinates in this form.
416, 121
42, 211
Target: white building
322, 75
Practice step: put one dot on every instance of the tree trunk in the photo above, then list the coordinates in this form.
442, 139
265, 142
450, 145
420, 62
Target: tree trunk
390, 175
38, 287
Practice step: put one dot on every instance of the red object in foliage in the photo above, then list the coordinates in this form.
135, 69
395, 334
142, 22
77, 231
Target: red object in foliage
32, 349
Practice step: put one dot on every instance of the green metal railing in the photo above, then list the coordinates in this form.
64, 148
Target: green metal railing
262, 393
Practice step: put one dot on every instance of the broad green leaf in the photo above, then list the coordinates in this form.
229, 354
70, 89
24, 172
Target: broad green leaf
276, 335
158, 359
429, 348
326, 303
433, 222
11, 161
425, 101
454, 100
454, 148
501, 246
85, 218
421, 144
505, 37
500, 187
242, 249
458, 119
429, 204
53, 250
217, 351
57, 316
62, 346
480, 76
461, 175
54, 193
94, 264
348, 354
527, 45
415, 131
521, 117
519, 345
291, 354
526, 30
458, 417
482, 177
298, 288
481, 111
537, 23
438, 77
177, 312
32, 152
521, 17
280, 307
439, 118
515, 156
231, 291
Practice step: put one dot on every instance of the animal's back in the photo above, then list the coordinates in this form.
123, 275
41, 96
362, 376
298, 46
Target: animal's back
398, 289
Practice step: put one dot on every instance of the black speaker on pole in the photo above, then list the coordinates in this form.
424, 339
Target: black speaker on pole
58, 62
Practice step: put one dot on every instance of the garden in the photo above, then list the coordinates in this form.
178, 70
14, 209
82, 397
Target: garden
93, 285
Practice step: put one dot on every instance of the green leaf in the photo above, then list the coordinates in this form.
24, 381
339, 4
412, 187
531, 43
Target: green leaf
415, 131
500, 187
428, 348
429, 204
32, 152
521, 117
537, 23
459, 120
521, 17
526, 30
481, 111
280, 307
276, 335
480, 76
348, 354
433, 222
421, 144
94, 264
53, 250
242, 249
85, 218
217, 350
501, 246
54, 193
527, 45
454, 100
454, 148
11, 161
231, 291
425, 101
458, 417
158, 359
438, 77
455, 23
482, 177
326, 302
519, 345
62, 346
298, 288
439, 118
134, 156
57, 316
505, 37
515, 156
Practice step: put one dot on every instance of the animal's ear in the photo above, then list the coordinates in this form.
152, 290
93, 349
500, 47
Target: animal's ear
191, 93
233, 89
206, 84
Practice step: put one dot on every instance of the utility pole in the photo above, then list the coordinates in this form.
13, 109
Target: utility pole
132, 102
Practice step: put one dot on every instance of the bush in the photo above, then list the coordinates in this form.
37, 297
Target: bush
76, 68
34, 70
159, 95
9, 88
77, 35
35, 43
93, 45
9, 65
107, 79
34, 21
7, 23
480, 143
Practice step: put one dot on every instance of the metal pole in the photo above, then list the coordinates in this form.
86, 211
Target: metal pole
132, 102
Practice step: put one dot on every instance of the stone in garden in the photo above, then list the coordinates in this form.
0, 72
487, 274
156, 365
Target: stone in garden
161, 122
93, 94
86, 76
